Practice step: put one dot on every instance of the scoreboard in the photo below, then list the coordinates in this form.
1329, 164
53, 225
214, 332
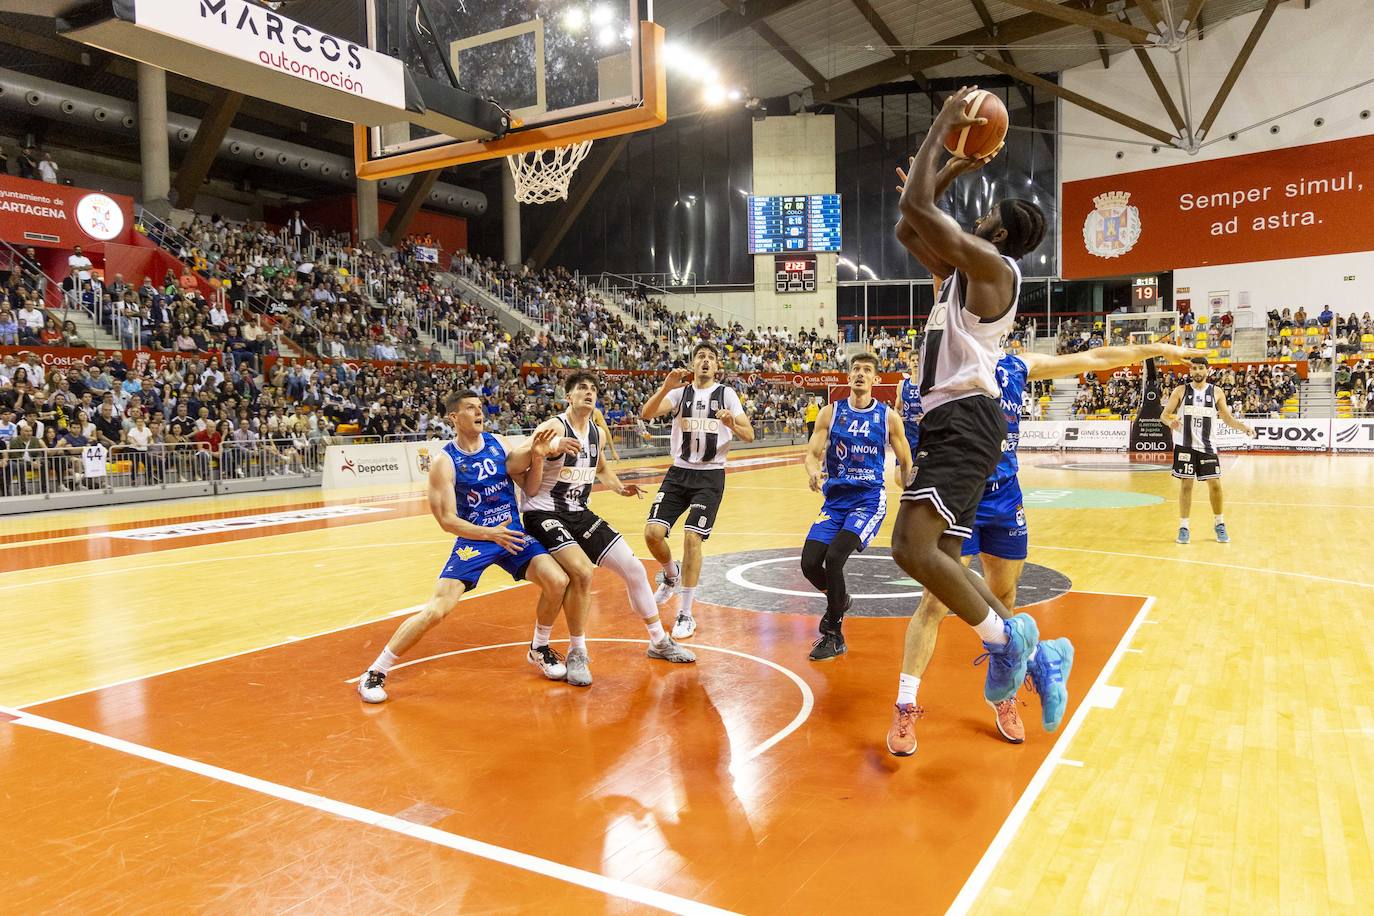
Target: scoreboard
794, 273
796, 223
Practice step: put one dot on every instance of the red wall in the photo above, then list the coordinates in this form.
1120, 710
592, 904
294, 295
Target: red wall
45, 215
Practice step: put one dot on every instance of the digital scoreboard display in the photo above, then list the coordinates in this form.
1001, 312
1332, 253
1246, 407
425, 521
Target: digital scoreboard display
796, 223
794, 273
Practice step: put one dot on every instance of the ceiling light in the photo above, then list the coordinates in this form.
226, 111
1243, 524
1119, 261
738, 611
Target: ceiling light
601, 14
574, 19
736, 95
713, 95
606, 36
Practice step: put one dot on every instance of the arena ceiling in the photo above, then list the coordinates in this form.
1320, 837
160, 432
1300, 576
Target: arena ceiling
816, 52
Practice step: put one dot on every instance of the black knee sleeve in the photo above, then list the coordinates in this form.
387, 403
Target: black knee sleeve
813, 564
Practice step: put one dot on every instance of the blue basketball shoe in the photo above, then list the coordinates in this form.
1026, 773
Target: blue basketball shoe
1183, 535
1007, 663
1049, 674
1222, 536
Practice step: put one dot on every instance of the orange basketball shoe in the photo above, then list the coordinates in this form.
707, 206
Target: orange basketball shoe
901, 735
1009, 720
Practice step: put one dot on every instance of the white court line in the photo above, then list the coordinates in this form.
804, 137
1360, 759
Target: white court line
544, 867
290, 639
147, 567
988, 864
1064, 761
808, 698
1252, 569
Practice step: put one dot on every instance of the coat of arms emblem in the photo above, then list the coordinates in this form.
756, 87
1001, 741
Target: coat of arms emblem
1113, 228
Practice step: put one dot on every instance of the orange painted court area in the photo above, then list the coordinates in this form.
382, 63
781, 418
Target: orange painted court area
733, 783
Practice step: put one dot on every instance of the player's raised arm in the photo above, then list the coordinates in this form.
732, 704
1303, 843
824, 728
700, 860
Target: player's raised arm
661, 402
977, 257
538, 445
910, 239
896, 439
1041, 366
814, 459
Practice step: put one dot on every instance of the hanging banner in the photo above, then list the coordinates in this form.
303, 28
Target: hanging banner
60, 216
1296, 202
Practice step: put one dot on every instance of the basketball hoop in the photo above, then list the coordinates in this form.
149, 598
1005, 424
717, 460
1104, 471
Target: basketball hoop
542, 176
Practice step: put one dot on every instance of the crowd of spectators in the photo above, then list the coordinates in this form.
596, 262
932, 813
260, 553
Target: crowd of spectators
584, 329
175, 417
1252, 391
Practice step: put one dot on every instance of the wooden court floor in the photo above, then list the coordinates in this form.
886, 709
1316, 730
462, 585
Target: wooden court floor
177, 730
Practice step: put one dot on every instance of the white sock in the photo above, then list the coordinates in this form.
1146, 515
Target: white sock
906, 689
577, 642
1218, 520
993, 630
656, 631
541, 635
1183, 523
384, 661
671, 569
684, 605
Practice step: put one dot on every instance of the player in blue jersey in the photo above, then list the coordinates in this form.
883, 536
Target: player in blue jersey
846, 460
1000, 540
908, 402
473, 497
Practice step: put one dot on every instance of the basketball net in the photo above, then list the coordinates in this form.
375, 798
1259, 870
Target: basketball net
542, 176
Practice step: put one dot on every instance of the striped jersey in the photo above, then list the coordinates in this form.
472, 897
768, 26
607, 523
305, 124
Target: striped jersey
484, 491
856, 450
960, 350
1199, 413
700, 441
568, 479
909, 404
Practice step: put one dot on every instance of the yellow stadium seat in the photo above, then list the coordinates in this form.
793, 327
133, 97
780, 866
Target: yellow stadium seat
1212, 353
1367, 338
1286, 332
1202, 319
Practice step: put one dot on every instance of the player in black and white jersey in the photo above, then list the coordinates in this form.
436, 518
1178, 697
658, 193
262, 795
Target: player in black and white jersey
707, 417
1193, 410
556, 514
963, 427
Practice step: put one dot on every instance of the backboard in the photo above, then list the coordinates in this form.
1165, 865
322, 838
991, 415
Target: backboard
565, 71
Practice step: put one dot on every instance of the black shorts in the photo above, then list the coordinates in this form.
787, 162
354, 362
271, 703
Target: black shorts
1190, 464
961, 443
698, 493
557, 530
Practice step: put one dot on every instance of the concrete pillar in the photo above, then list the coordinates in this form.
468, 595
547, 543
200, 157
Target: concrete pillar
152, 138
510, 218
367, 211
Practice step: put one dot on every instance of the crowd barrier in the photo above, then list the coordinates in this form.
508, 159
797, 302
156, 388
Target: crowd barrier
1315, 435
34, 479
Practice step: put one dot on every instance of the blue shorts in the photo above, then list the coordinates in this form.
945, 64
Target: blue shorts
999, 529
471, 558
862, 514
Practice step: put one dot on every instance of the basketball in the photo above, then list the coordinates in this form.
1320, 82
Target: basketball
979, 140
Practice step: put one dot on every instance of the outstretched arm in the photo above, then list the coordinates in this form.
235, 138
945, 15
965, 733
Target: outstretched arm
1041, 366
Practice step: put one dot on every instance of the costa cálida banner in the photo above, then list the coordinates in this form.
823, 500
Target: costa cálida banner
1298, 202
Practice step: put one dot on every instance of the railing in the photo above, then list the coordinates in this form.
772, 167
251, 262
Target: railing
40, 471
84, 305
630, 295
